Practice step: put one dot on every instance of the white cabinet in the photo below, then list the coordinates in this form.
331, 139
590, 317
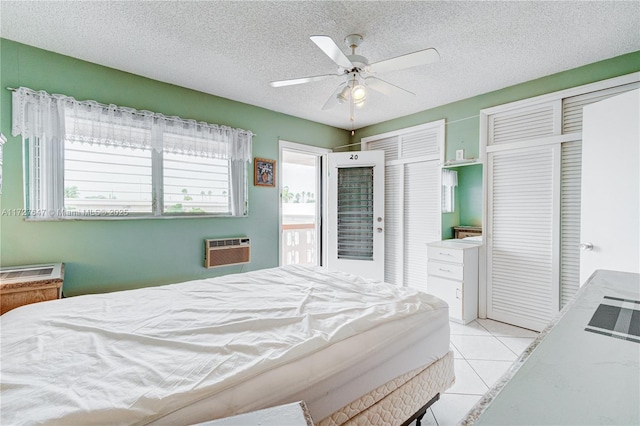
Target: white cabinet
452, 271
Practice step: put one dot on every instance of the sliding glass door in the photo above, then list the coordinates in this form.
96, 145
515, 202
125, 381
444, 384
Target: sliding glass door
300, 204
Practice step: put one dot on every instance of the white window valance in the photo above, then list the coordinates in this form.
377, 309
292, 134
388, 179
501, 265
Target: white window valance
57, 117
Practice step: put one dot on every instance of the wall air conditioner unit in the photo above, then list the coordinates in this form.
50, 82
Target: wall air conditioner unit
226, 251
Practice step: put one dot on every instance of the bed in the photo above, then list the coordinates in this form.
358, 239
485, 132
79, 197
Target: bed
357, 351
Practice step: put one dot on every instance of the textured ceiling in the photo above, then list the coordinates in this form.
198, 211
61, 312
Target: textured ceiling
234, 49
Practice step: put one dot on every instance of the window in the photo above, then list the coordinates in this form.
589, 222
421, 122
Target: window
449, 182
195, 185
106, 178
87, 160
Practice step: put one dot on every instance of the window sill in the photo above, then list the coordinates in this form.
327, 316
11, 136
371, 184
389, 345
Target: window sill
128, 217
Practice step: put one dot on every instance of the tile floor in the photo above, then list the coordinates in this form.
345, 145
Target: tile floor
483, 350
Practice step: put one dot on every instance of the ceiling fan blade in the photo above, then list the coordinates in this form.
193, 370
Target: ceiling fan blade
333, 99
421, 57
331, 49
385, 87
293, 81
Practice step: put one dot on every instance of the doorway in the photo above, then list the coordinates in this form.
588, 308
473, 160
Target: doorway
301, 204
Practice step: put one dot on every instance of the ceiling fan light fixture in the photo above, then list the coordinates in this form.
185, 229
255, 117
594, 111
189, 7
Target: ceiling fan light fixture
358, 94
344, 95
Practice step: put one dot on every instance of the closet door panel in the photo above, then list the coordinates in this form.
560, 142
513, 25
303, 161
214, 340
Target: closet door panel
422, 218
521, 263
393, 250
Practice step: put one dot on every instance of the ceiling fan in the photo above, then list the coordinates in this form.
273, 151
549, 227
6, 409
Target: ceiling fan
358, 74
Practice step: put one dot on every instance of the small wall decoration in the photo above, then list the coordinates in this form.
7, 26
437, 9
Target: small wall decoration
265, 172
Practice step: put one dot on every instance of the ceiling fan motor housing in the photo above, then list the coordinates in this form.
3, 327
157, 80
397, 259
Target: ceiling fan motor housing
359, 62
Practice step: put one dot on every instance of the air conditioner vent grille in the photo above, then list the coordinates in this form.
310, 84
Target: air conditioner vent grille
227, 251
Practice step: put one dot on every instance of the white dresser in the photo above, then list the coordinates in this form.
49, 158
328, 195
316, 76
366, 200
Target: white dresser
452, 271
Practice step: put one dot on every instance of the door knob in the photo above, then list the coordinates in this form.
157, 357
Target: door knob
586, 246
379, 230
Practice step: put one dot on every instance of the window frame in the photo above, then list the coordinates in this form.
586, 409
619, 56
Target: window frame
157, 199
44, 148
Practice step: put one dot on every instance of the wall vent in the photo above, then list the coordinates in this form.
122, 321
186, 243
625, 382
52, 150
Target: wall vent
227, 251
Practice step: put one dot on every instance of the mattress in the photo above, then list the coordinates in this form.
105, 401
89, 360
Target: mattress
212, 348
398, 399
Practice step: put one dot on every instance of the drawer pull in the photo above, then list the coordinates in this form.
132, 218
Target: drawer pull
458, 293
444, 270
445, 254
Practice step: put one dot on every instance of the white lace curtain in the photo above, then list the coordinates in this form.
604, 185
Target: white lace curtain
58, 117
449, 178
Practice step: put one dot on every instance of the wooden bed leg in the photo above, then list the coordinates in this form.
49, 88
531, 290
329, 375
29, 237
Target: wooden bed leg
419, 418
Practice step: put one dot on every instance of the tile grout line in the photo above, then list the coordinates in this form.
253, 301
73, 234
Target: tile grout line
434, 416
478, 374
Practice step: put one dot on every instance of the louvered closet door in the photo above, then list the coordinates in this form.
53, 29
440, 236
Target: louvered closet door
570, 220
422, 219
393, 181
412, 200
522, 283
572, 106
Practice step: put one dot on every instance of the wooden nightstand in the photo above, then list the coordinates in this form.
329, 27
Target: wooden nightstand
22, 285
467, 231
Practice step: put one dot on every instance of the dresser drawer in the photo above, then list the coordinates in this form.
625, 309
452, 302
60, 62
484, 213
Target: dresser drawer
445, 254
445, 270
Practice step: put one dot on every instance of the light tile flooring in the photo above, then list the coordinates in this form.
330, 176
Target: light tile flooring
483, 350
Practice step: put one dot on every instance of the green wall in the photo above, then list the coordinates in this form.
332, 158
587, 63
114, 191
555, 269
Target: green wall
105, 255
112, 255
463, 125
469, 195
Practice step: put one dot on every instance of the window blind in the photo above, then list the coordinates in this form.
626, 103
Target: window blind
355, 213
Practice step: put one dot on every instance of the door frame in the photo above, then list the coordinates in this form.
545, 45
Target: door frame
320, 153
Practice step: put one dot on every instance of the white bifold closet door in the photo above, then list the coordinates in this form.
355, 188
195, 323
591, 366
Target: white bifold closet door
422, 216
523, 267
412, 199
412, 211
533, 219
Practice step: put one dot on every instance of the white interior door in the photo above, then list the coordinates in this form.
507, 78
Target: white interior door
355, 234
610, 211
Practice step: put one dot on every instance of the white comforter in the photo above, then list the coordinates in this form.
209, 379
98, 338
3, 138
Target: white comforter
134, 356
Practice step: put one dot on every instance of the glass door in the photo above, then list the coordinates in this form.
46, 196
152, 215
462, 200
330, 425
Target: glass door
300, 204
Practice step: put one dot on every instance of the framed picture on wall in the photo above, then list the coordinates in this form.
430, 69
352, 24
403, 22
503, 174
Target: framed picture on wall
265, 172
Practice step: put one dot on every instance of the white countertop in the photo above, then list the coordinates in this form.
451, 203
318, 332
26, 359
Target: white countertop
464, 243
571, 376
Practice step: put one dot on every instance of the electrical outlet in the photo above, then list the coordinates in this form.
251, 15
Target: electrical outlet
459, 154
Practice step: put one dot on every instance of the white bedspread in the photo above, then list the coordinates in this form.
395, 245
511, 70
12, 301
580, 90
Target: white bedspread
131, 357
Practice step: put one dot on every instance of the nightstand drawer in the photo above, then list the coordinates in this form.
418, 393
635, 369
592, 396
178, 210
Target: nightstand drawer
445, 270
445, 254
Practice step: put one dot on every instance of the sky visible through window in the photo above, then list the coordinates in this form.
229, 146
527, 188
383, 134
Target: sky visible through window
115, 177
